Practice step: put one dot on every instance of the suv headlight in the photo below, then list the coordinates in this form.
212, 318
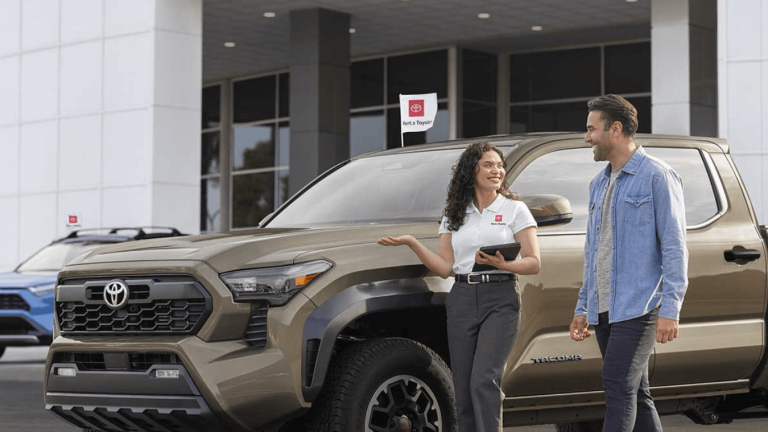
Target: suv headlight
42, 290
277, 285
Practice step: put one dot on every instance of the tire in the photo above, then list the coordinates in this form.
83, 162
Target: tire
593, 426
374, 385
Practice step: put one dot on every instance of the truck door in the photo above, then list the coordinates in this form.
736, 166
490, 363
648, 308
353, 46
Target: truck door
721, 323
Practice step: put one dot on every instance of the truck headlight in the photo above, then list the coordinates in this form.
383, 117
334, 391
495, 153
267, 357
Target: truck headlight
42, 290
277, 285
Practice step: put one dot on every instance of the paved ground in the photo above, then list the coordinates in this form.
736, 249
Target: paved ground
22, 408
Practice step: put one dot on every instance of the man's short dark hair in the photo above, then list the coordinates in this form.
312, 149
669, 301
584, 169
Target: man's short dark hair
615, 108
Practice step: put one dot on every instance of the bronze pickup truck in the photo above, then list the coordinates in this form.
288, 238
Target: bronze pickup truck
306, 324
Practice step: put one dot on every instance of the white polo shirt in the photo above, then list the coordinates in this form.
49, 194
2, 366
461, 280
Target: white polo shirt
497, 224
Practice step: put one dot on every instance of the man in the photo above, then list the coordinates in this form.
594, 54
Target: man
635, 263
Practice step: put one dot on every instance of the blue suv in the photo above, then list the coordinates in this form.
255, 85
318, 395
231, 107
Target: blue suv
26, 294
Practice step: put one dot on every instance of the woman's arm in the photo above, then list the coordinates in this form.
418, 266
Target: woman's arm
529, 262
441, 263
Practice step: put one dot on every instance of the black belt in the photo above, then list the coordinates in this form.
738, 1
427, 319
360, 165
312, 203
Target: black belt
476, 278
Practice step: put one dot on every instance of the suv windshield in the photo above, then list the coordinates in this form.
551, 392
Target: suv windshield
395, 187
53, 258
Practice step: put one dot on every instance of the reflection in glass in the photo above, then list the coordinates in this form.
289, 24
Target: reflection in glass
210, 150
254, 147
253, 197
254, 99
210, 204
284, 140
282, 187
211, 106
367, 131
367, 83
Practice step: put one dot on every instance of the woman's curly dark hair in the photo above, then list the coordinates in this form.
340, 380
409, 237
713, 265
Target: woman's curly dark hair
461, 189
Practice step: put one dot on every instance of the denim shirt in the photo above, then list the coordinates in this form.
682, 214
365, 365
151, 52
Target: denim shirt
649, 255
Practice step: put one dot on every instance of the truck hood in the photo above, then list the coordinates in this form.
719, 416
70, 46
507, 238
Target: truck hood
262, 247
25, 280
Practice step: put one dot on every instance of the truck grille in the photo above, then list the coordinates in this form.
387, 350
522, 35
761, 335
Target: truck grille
15, 326
13, 301
101, 361
154, 305
256, 332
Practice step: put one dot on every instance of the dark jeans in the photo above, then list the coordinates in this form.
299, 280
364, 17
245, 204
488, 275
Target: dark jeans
626, 347
482, 325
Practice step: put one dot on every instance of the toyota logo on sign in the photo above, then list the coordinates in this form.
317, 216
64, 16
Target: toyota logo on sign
416, 108
116, 294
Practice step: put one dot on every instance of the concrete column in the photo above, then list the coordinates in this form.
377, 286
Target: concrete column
683, 67
100, 116
743, 92
319, 99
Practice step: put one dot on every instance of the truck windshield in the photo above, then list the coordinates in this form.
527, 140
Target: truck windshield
386, 188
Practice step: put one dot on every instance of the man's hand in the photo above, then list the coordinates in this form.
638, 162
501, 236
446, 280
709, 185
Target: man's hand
579, 328
666, 330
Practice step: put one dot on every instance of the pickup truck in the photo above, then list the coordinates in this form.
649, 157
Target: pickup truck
306, 324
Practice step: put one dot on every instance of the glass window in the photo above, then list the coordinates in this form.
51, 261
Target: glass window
211, 107
479, 71
555, 75
284, 138
210, 204
479, 119
416, 74
254, 147
283, 193
367, 83
438, 132
643, 107
210, 150
565, 117
285, 95
405, 186
628, 68
253, 198
700, 201
566, 173
367, 132
254, 99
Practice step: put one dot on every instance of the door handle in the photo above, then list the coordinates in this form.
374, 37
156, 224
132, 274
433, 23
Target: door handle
739, 255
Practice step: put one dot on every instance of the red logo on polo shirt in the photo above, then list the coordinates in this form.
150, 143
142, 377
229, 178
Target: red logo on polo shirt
498, 218
416, 108
72, 219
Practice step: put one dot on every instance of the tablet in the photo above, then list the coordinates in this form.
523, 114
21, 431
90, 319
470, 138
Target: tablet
508, 250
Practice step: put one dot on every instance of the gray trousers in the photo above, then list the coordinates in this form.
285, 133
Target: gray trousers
482, 326
626, 347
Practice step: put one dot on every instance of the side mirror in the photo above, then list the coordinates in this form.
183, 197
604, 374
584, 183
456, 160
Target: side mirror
549, 209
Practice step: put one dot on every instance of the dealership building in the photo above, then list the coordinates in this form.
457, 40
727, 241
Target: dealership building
206, 115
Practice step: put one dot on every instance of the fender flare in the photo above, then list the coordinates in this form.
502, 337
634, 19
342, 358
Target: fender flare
324, 324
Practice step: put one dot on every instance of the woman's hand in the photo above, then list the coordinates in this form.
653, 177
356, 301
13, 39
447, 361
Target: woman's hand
406, 240
494, 260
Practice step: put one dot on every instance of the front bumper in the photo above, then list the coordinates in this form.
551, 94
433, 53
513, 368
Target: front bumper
25, 319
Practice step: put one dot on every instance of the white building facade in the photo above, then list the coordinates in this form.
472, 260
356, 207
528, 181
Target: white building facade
101, 101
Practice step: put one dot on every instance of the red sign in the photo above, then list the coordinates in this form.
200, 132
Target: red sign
73, 219
416, 108
498, 218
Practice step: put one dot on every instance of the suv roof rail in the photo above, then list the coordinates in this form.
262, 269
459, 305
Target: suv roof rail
140, 232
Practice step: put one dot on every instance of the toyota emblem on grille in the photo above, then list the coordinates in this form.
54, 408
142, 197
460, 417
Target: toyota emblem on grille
116, 294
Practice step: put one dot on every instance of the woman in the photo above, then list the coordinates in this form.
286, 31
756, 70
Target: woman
482, 317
